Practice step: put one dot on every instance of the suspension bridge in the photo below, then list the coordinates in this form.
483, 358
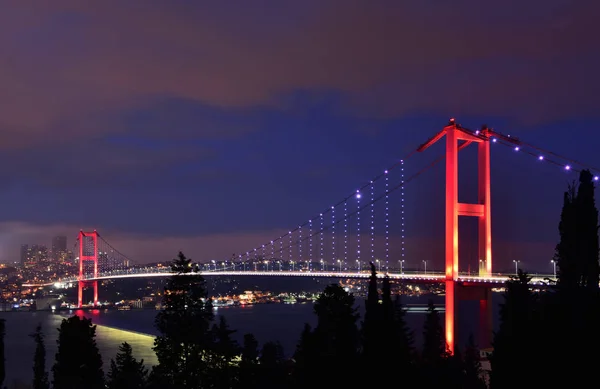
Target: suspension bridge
342, 239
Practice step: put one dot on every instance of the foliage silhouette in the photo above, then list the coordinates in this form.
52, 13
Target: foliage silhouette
472, 367
222, 372
333, 343
40, 375
372, 333
516, 335
185, 339
78, 362
248, 371
577, 253
125, 371
2, 358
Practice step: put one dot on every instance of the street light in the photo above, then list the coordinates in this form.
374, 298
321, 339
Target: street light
516, 266
322, 265
401, 263
340, 262
292, 263
554, 266
378, 265
425, 263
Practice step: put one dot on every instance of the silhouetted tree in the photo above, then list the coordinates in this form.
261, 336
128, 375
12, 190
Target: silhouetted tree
78, 363
184, 326
577, 252
402, 341
371, 330
40, 375
394, 338
273, 372
566, 250
434, 342
222, 372
571, 314
587, 230
306, 349
249, 362
125, 371
472, 365
516, 336
2, 360
436, 364
333, 343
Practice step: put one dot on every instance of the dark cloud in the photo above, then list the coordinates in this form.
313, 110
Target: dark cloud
527, 60
168, 110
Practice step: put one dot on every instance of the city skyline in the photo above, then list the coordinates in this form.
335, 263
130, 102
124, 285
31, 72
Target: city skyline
166, 131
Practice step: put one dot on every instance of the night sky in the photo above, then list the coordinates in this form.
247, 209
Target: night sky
170, 125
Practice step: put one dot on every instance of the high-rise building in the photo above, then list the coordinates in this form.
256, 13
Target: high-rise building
24, 253
36, 255
59, 246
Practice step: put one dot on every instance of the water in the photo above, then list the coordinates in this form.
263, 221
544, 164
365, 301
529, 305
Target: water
19, 347
268, 322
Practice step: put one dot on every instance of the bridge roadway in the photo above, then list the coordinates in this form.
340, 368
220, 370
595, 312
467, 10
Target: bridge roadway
496, 280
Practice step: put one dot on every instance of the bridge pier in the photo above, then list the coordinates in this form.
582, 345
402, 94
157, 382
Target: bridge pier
81, 285
470, 292
486, 323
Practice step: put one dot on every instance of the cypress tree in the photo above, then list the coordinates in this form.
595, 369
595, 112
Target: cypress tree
184, 326
566, 250
372, 325
78, 362
472, 365
403, 341
571, 313
125, 371
273, 374
333, 344
435, 356
306, 357
40, 375
587, 230
517, 336
2, 360
577, 252
249, 362
222, 372
435, 348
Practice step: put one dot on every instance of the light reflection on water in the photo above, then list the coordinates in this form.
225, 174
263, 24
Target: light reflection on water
19, 347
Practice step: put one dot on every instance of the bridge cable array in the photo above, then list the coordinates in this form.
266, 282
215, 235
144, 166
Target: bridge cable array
348, 215
541, 156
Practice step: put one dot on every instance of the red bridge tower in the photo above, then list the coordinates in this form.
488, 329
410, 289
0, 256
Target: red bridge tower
88, 251
456, 291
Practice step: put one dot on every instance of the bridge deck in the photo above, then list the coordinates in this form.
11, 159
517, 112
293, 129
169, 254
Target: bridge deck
417, 278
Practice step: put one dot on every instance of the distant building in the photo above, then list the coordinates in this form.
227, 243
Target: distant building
24, 252
59, 246
36, 255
